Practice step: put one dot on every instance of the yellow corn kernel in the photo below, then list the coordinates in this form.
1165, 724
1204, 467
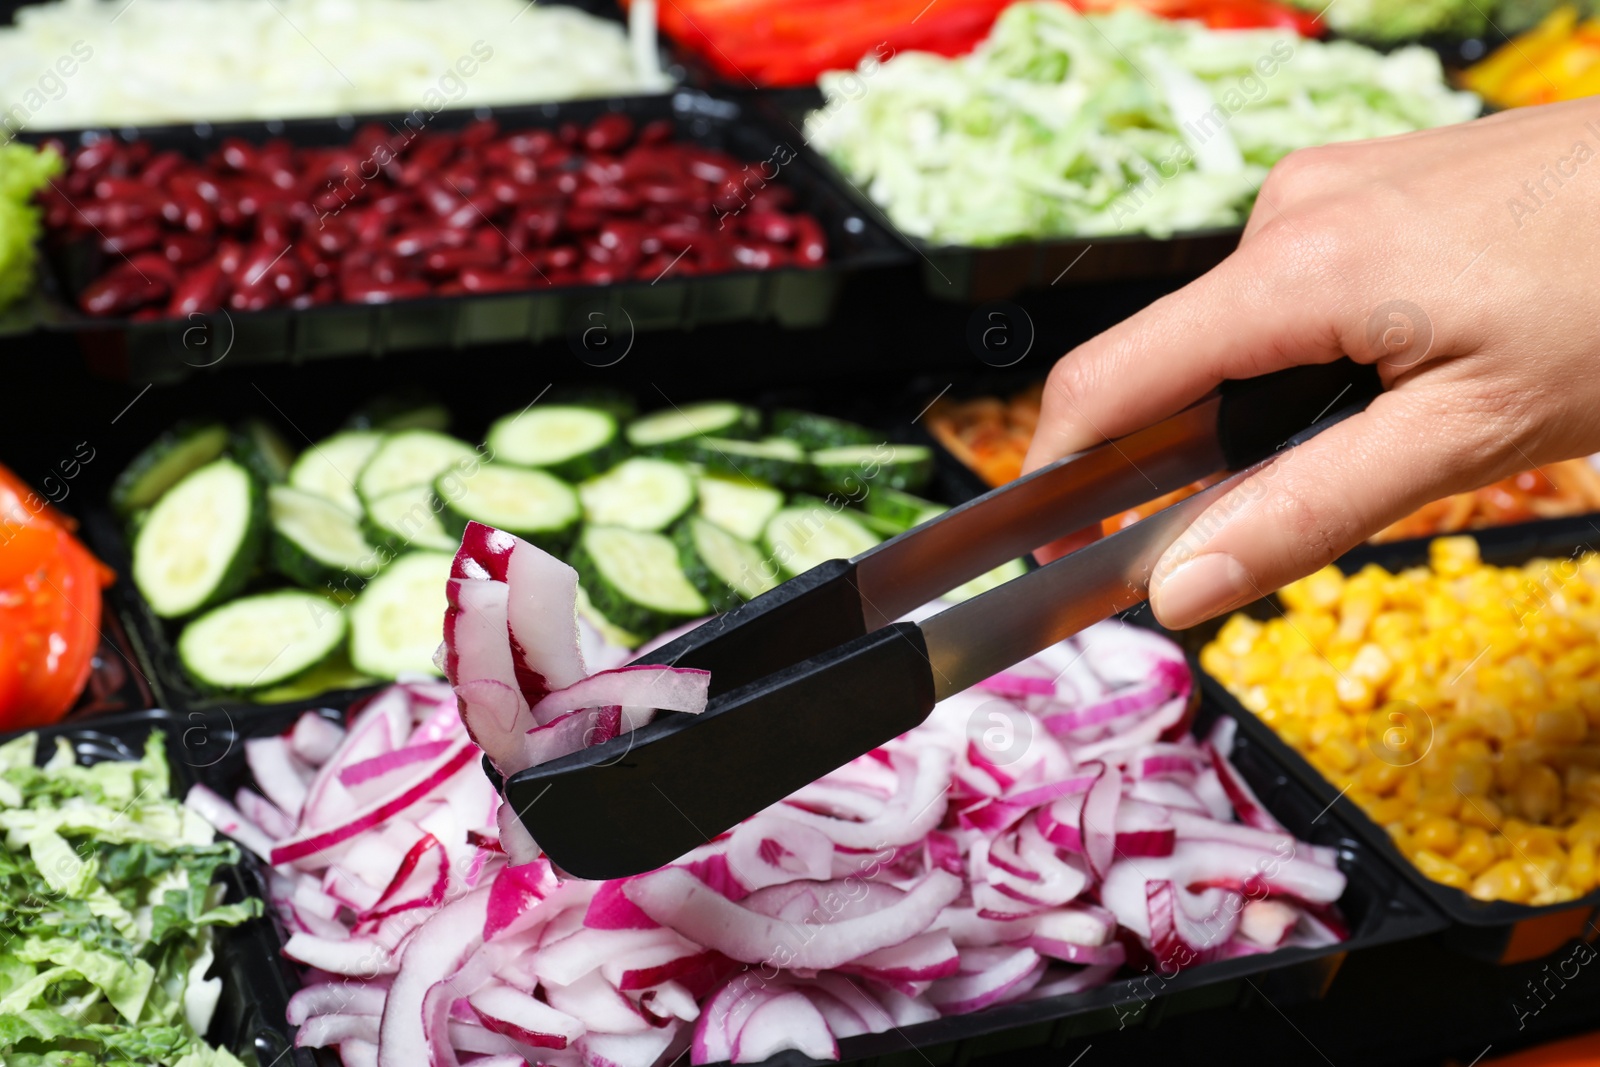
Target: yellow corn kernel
1440, 869
1472, 777
1319, 590
1482, 812
1440, 800
1437, 834
1580, 874
1538, 792
1379, 778
1382, 811
1560, 726
1506, 880
1476, 853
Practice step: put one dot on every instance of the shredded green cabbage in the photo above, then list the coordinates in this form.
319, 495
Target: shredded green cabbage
106, 914
23, 172
1064, 124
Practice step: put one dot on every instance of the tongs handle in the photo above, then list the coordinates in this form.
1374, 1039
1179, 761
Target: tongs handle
1260, 415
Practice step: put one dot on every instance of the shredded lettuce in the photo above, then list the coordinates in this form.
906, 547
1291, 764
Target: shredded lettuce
107, 909
23, 171
1065, 124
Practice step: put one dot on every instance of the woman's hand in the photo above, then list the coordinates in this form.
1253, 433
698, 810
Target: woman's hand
1463, 261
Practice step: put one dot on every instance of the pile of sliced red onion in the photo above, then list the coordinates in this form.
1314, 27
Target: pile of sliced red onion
1035, 836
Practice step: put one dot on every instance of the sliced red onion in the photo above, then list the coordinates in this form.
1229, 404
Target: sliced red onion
409, 1036
350, 998
523, 1018
1250, 810
543, 620
625, 1050
996, 976
228, 820
927, 957
646, 686
314, 739
1017, 684
320, 1031
278, 773
787, 1021
264, 813
598, 1005
773, 850
675, 898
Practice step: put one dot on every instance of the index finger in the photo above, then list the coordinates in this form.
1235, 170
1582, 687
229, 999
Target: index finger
1262, 309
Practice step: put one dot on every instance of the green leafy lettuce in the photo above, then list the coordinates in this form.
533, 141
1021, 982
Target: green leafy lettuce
107, 909
24, 170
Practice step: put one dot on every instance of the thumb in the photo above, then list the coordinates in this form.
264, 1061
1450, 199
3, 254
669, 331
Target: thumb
1311, 504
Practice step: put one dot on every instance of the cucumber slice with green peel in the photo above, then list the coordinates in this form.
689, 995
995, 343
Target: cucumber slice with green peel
815, 431
635, 580
165, 462
260, 641
903, 509
639, 493
805, 534
884, 528
607, 629
410, 458
665, 432
330, 467
316, 543
727, 571
988, 580
570, 442
777, 460
405, 519
882, 466
618, 403
262, 450
199, 544
398, 620
530, 503
331, 674
739, 505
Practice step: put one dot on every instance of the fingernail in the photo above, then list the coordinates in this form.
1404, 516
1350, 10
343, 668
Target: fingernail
1204, 586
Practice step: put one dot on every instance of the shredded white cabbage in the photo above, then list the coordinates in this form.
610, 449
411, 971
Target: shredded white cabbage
114, 62
1123, 123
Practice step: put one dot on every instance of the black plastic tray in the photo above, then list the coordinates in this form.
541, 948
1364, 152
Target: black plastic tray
973, 274
791, 297
256, 981
323, 410
1380, 905
1489, 927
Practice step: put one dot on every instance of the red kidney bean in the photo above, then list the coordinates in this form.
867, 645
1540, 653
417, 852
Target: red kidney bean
484, 280
454, 260
134, 238
579, 220
759, 256
662, 191
230, 254
251, 272
385, 270
368, 290
239, 155
202, 289
770, 227
273, 225
186, 249
153, 265
287, 277
479, 133
563, 257
592, 273
92, 157
418, 239
311, 259
325, 291
473, 213
658, 131
810, 243
119, 292
608, 133
256, 298
605, 198
189, 210
162, 168
603, 170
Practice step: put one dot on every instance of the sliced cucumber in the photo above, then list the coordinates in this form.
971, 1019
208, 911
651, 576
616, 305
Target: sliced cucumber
570, 442
199, 543
811, 532
617, 403
777, 460
529, 503
640, 493
726, 570
815, 431
263, 451
903, 509
635, 580
1002, 574
739, 505
330, 467
398, 620
412, 457
164, 462
882, 466
666, 432
316, 543
406, 519
332, 673
262, 640
608, 629
882, 527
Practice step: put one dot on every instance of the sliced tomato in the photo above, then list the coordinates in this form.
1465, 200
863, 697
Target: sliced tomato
49, 623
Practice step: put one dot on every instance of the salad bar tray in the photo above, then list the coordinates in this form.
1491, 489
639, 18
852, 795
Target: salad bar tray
1495, 930
596, 308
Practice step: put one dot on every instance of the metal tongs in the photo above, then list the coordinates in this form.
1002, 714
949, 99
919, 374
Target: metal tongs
816, 672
